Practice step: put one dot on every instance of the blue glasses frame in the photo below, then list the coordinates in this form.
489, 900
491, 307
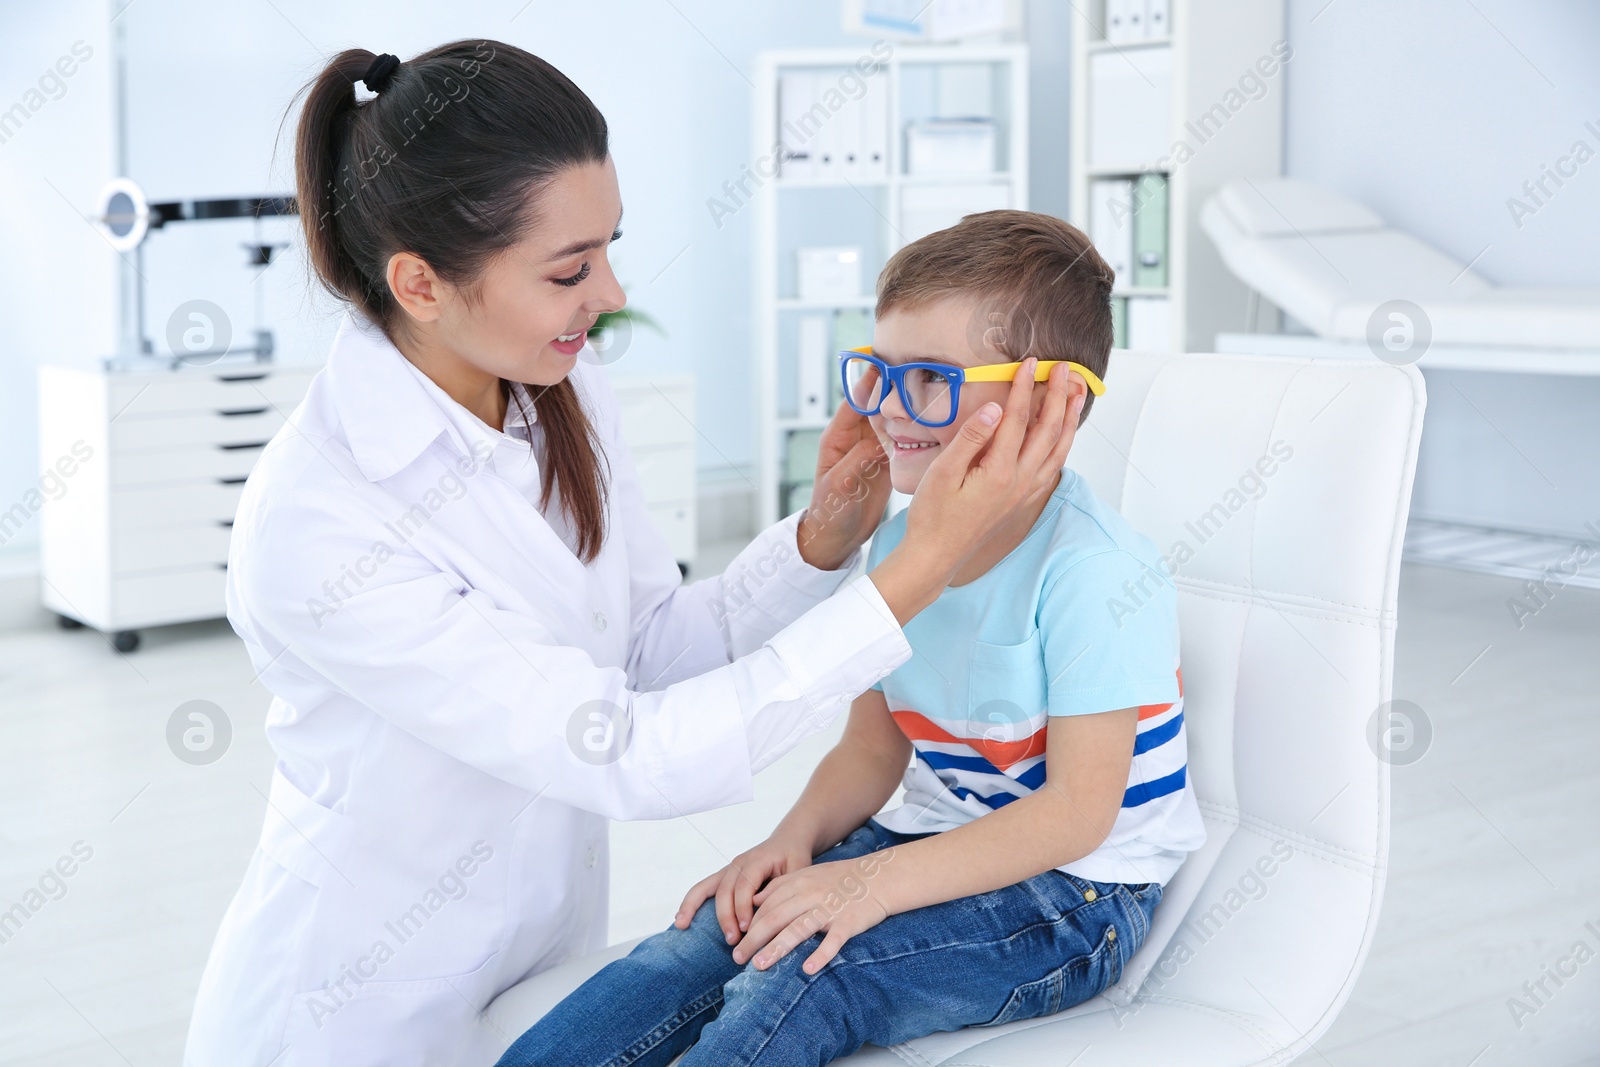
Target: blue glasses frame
890, 377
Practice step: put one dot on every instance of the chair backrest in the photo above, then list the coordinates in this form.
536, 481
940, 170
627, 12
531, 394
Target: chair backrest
1278, 489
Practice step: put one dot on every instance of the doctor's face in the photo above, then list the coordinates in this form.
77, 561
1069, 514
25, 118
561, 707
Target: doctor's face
538, 298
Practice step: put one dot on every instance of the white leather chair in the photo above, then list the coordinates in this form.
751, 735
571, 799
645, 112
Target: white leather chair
1288, 480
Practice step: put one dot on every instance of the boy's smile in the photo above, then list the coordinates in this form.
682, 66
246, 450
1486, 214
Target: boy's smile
939, 331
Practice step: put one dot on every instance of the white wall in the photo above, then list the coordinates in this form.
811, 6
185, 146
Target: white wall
1435, 112
57, 275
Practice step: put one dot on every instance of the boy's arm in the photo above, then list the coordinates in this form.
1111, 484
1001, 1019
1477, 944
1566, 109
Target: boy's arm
1087, 758
853, 781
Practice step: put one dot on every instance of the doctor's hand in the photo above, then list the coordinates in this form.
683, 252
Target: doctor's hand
836, 897
736, 884
850, 491
976, 482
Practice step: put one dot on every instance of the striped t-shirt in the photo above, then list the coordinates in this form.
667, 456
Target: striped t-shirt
1079, 618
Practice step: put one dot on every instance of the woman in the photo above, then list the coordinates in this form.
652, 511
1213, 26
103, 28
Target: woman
479, 648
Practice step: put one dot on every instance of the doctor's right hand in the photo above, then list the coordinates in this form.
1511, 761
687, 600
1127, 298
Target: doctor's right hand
964, 497
740, 880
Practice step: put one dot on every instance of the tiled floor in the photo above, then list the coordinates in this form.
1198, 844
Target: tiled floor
1495, 866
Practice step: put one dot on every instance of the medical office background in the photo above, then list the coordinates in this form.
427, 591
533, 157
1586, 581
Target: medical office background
1472, 125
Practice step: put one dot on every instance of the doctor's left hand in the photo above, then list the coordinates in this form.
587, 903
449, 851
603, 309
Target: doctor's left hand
849, 493
835, 897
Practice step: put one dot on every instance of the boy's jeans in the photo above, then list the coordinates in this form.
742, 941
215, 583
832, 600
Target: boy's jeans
1027, 950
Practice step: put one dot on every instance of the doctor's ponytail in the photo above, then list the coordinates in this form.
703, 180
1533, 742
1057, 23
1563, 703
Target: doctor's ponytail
445, 163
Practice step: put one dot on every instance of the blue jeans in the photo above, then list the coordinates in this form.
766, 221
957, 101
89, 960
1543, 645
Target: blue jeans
1027, 950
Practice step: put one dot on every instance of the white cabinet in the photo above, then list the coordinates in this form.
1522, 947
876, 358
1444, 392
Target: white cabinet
142, 474
657, 417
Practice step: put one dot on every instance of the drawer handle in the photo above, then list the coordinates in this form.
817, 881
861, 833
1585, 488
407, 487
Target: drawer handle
240, 377
224, 522
232, 481
242, 411
236, 448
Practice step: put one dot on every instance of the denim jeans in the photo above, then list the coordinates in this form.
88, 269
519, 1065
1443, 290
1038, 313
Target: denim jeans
1027, 950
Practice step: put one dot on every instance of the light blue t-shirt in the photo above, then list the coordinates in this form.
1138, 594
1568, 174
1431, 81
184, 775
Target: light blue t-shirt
1079, 618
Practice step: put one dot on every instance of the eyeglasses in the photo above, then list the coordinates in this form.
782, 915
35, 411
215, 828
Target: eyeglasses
931, 392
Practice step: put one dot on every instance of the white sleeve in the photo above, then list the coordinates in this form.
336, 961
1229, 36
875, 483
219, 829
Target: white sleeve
494, 689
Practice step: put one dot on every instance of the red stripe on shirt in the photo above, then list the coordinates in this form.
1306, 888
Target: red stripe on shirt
1003, 754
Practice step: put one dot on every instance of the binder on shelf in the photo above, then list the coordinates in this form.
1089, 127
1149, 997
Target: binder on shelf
848, 123
1150, 230
1158, 18
1149, 324
1111, 225
875, 127
1130, 107
797, 125
1126, 20
1119, 322
812, 356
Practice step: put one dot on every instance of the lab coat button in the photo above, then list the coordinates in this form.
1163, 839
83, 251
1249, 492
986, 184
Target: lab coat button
591, 857
599, 620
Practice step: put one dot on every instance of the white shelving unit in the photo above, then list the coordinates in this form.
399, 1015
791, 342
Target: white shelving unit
865, 211
1215, 54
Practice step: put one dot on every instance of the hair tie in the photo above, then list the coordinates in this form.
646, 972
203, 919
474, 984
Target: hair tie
379, 72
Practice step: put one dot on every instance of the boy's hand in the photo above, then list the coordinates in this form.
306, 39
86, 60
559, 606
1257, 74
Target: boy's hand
736, 884
838, 897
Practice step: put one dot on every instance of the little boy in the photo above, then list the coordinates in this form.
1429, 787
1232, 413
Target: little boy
1047, 797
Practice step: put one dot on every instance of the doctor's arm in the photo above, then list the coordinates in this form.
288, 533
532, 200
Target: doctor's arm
498, 690
679, 629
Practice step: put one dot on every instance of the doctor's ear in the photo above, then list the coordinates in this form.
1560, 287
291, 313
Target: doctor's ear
416, 287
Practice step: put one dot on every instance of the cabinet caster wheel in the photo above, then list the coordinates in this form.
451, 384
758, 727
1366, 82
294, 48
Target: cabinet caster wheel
125, 640
67, 622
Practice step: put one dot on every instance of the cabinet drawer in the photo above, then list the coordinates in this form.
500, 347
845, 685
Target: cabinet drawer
167, 547
204, 428
666, 474
182, 465
221, 390
175, 596
166, 505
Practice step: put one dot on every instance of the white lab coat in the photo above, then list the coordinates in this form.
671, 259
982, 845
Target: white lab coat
436, 824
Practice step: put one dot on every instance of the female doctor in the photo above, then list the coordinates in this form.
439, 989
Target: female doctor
478, 647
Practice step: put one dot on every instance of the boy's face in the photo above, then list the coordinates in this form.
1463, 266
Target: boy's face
940, 332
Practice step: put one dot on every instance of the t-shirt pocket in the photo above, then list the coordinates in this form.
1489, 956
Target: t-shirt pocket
1006, 695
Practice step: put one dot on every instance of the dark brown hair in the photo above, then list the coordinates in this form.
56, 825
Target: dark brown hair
446, 162
1042, 289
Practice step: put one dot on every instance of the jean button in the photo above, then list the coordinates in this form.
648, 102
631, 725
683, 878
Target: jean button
1111, 933
1090, 896
599, 620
